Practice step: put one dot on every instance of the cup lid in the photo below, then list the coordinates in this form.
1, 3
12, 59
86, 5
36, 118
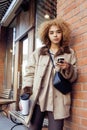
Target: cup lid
24, 96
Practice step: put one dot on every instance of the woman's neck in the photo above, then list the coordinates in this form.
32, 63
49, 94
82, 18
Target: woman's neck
54, 48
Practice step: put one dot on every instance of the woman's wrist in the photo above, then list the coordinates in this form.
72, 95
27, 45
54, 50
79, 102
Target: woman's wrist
26, 89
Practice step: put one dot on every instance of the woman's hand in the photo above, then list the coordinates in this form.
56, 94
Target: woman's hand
63, 65
27, 89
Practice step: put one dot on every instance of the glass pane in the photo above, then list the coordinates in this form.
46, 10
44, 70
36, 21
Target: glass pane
25, 57
45, 10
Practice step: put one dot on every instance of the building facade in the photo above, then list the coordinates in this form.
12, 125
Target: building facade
19, 37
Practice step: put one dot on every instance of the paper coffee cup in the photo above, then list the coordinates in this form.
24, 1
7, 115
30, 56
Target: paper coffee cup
25, 104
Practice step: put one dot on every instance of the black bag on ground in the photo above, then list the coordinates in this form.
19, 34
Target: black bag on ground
61, 84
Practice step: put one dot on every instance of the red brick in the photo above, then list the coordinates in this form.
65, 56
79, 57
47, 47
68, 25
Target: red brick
84, 86
79, 30
84, 37
85, 103
79, 54
78, 39
84, 122
70, 126
82, 61
84, 21
79, 2
83, 69
75, 12
70, 8
76, 119
81, 95
82, 128
77, 103
84, 5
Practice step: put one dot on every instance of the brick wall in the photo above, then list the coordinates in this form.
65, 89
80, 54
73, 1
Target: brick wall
75, 12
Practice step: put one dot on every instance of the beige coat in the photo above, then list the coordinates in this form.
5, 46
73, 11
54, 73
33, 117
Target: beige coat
35, 73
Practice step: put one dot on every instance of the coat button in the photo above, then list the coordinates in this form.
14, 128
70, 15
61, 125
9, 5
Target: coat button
42, 87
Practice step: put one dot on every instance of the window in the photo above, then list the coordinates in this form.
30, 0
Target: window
45, 10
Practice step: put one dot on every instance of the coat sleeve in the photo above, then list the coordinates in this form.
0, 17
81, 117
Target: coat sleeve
71, 73
29, 72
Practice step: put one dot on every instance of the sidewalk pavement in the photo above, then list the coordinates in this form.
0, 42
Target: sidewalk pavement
7, 124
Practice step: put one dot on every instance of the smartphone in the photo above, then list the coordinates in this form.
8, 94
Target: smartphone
61, 60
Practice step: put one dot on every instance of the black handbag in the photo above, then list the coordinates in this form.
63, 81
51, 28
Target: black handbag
59, 82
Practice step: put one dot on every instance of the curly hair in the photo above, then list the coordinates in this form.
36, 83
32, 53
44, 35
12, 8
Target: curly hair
64, 27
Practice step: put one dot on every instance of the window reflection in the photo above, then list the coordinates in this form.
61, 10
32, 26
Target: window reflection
45, 10
25, 57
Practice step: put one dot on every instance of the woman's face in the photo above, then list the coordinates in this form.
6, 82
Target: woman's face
55, 34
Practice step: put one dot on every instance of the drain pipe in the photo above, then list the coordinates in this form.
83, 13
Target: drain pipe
10, 13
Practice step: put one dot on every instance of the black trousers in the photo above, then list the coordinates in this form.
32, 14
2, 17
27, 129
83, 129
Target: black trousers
38, 117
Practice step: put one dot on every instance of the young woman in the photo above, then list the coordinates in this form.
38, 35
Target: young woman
47, 100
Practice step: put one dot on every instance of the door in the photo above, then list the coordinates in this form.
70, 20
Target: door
21, 59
